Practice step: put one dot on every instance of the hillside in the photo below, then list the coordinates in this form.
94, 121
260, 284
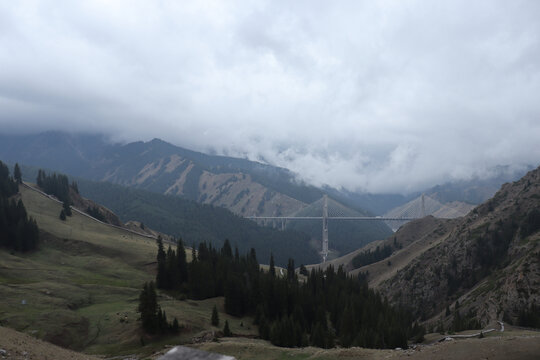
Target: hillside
80, 288
174, 216
242, 186
488, 261
195, 223
411, 240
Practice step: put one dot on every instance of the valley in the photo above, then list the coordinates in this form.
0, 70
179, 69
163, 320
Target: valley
80, 289
269, 180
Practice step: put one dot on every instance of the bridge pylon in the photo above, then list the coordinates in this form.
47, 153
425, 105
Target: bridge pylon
324, 251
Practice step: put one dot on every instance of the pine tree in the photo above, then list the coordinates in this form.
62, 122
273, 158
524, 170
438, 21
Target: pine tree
161, 277
39, 179
272, 266
148, 307
66, 208
75, 187
226, 251
215, 316
290, 270
226, 330
17, 174
175, 328
181, 262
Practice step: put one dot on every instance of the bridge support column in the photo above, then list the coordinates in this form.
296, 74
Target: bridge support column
324, 251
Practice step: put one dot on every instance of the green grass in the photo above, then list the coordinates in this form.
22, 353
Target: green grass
80, 288
244, 349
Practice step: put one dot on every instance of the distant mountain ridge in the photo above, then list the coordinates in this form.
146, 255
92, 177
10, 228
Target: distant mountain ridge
426, 205
244, 187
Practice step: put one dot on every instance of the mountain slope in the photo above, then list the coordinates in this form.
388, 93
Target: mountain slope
195, 223
80, 289
489, 260
426, 205
245, 187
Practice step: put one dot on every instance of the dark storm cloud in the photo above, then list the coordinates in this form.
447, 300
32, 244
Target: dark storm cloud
380, 96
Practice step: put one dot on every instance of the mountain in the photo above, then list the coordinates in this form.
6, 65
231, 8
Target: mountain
426, 205
80, 290
244, 187
453, 194
484, 266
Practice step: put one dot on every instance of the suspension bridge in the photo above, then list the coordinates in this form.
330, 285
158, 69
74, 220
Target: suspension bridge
335, 211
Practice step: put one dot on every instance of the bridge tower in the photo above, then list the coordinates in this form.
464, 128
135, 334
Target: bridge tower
324, 251
423, 207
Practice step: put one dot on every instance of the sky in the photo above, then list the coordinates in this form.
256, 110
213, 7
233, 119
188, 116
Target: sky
378, 96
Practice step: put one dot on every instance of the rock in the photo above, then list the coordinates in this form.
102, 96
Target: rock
185, 353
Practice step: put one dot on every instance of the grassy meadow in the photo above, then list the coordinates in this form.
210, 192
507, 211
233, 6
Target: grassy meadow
80, 288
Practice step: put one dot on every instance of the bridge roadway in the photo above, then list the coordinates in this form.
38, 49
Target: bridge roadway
330, 218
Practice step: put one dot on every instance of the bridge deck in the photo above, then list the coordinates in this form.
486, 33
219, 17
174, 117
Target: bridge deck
330, 218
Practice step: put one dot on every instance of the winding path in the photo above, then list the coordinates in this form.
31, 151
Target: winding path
501, 324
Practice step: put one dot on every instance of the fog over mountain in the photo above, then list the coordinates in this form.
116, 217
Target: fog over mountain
376, 96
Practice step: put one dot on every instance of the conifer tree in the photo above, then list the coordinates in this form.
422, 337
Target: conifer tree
161, 278
66, 208
39, 179
226, 251
175, 328
272, 266
148, 307
226, 330
17, 174
215, 316
290, 270
75, 187
181, 262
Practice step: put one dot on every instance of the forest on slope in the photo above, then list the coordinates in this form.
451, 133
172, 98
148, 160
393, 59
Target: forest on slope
195, 223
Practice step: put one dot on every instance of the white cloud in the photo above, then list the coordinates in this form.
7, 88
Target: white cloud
372, 95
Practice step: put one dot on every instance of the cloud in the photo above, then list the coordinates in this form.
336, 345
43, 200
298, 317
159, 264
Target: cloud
368, 95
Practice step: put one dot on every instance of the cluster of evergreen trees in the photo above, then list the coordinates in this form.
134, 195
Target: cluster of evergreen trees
329, 307
154, 320
529, 317
57, 185
368, 257
197, 222
17, 230
93, 211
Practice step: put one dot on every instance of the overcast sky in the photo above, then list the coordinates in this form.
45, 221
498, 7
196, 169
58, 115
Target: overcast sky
369, 95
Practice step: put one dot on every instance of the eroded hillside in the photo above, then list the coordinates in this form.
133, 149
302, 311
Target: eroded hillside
488, 261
